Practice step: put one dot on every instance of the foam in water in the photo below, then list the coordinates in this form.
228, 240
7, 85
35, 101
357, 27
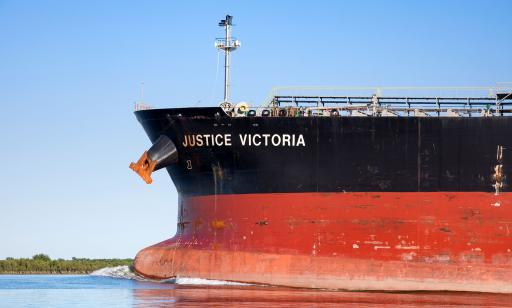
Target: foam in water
211, 282
124, 272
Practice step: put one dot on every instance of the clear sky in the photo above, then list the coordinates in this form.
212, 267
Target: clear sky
70, 72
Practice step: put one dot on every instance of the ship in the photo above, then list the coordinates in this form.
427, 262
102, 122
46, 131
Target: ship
362, 192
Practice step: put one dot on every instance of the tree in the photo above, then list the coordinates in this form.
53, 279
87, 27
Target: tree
41, 257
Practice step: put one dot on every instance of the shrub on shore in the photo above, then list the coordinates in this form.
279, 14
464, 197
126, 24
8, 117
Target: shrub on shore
43, 264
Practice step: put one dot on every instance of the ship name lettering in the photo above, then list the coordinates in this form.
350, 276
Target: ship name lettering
290, 140
246, 140
207, 140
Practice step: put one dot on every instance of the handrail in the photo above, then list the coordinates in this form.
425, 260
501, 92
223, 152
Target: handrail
487, 91
141, 106
374, 105
279, 101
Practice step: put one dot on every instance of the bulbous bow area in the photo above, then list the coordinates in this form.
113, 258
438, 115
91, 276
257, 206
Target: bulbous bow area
157, 261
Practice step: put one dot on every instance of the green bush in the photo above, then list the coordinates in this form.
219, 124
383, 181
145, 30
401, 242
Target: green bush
43, 264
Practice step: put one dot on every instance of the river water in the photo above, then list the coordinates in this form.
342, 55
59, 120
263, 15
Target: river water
117, 287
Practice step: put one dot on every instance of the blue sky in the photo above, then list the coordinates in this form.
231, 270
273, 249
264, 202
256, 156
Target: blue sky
70, 72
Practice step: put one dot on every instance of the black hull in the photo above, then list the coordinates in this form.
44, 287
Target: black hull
339, 154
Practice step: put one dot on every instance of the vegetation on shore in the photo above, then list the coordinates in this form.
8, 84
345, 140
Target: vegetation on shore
43, 264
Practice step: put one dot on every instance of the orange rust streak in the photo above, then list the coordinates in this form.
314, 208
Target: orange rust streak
217, 224
144, 167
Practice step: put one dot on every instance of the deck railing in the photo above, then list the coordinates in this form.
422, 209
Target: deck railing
500, 104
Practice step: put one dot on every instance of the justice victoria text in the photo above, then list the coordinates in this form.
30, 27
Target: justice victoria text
250, 140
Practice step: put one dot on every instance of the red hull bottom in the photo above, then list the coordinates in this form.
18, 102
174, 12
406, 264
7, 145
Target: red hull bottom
353, 241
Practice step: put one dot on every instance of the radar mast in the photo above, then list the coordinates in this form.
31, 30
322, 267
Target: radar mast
227, 44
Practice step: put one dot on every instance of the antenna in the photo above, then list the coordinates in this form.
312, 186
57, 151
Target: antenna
227, 44
142, 91
140, 105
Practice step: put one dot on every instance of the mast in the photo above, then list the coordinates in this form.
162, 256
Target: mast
227, 44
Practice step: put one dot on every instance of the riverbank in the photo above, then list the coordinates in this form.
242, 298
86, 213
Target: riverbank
43, 264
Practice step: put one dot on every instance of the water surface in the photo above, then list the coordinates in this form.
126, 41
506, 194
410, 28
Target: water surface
108, 291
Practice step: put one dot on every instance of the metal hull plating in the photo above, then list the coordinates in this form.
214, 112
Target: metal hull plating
362, 203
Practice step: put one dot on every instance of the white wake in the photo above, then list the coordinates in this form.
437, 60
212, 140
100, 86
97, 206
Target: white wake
209, 282
124, 272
